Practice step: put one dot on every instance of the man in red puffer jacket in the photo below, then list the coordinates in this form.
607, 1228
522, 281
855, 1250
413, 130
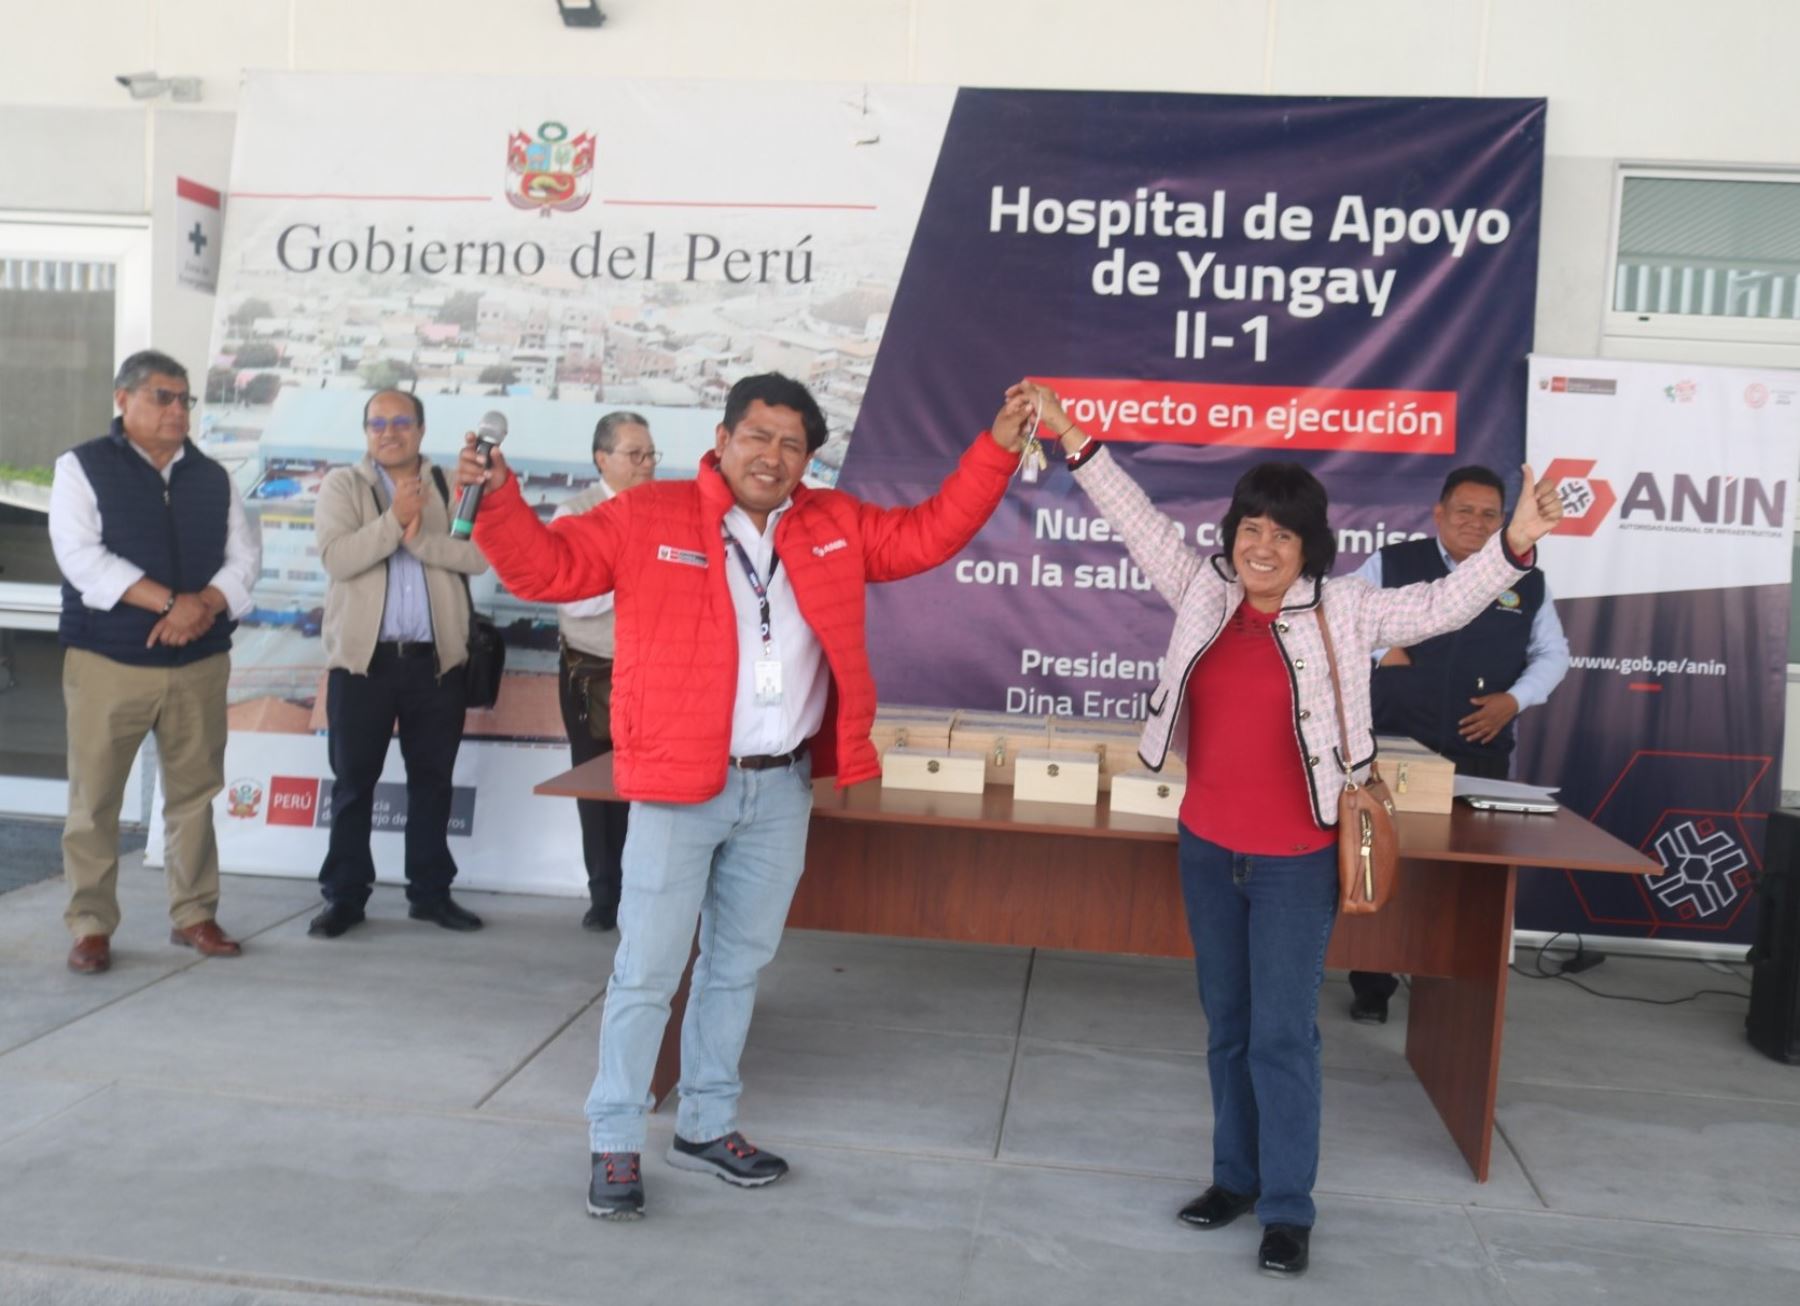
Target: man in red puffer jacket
741, 671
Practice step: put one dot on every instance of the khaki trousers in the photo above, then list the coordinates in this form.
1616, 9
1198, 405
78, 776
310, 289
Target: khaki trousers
111, 707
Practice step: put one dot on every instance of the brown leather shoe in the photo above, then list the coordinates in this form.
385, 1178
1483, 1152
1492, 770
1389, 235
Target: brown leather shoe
91, 954
207, 939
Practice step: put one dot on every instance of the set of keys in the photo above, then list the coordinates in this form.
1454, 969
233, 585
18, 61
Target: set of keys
1032, 462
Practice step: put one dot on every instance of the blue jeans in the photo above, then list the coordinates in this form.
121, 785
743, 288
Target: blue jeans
1260, 926
733, 862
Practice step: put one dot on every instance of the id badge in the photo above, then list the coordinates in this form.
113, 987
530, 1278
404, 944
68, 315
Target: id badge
767, 674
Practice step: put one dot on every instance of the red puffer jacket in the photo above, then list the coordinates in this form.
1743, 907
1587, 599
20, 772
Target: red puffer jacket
675, 669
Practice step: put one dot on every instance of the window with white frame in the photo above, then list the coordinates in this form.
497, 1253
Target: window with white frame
1706, 254
74, 300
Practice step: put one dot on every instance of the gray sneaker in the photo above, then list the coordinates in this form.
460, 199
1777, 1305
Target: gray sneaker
616, 1190
733, 1158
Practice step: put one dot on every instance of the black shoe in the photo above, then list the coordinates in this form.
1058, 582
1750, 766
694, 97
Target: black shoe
1369, 1009
334, 920
616, 1191
441, 911
600, 919
1283, 1251
1216, 1207
733, 1158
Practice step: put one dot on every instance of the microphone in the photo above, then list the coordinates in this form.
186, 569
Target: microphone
487, 438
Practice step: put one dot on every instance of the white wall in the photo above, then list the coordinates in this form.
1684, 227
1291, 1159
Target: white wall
1642, 80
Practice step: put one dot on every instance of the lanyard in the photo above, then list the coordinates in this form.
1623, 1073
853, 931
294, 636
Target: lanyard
757, 587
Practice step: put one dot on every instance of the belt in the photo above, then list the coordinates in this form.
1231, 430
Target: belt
406, 648
769, 761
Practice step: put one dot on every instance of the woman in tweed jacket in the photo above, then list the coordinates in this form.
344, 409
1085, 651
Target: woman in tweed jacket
1246, 697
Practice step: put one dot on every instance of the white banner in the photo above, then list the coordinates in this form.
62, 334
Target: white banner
274, 816
1674, 477
552, 248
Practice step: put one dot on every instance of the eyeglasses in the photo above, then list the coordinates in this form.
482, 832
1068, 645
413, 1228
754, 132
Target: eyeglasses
399, 425
163, 398
638, 457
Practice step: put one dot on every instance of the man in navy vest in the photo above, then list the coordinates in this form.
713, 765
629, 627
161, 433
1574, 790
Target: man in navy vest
1458, 694
157, 560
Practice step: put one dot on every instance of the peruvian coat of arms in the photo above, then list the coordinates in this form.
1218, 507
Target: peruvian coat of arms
242, 799
550, 170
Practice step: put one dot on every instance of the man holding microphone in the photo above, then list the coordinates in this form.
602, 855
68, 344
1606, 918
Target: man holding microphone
742, 671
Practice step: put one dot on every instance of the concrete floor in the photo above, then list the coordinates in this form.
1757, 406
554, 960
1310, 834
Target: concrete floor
395, 1116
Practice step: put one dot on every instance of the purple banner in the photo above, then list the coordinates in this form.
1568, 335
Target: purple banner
1209, 281
1664, 735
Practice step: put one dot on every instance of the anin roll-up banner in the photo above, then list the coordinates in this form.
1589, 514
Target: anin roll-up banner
1209, 280
1671, 569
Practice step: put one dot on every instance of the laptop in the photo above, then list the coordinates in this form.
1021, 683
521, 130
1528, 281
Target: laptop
1508, 803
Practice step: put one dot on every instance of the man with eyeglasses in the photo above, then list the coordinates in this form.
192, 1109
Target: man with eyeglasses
1458, 694
625, 455
158, 561
396, 635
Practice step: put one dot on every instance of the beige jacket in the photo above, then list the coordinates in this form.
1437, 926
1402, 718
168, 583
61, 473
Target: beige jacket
356, 539
584, 629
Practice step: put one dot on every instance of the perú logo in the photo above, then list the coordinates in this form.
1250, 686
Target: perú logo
1682, 392
549, 171
1706, 869
1585, 499
293, 799
243, 799
1756, 394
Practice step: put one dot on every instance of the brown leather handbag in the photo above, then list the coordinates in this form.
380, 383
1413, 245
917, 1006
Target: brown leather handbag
1368, 842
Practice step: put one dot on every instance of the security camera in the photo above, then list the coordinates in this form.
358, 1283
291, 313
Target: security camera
148, 86
143, 86
580, 13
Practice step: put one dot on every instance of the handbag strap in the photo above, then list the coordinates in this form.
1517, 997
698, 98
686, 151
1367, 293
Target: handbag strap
1337, 693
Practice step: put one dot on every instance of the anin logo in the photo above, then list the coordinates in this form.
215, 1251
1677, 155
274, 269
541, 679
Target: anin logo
1705, 501
293, 800
1682, 392
1586, 499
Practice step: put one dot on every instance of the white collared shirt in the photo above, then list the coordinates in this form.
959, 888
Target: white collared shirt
101, 576
756, 729
406, 616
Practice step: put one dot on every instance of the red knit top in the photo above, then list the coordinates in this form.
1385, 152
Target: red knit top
1246, 787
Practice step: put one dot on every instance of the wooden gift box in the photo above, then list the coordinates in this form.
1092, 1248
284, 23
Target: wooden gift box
1419, 779
1145, 793
911, 727
1115, 743
939, 770
999, 737
1044, 775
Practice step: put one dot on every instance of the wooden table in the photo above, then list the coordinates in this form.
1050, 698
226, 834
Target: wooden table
986, 869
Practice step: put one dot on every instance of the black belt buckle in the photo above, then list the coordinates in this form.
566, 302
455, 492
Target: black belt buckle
768, 761
405, 648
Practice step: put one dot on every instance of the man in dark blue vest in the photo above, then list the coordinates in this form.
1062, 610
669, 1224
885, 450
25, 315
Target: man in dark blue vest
1458, 694
157, 560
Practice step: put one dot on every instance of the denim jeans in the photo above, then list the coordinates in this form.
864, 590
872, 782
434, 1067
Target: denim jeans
1260, 926
733, 862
